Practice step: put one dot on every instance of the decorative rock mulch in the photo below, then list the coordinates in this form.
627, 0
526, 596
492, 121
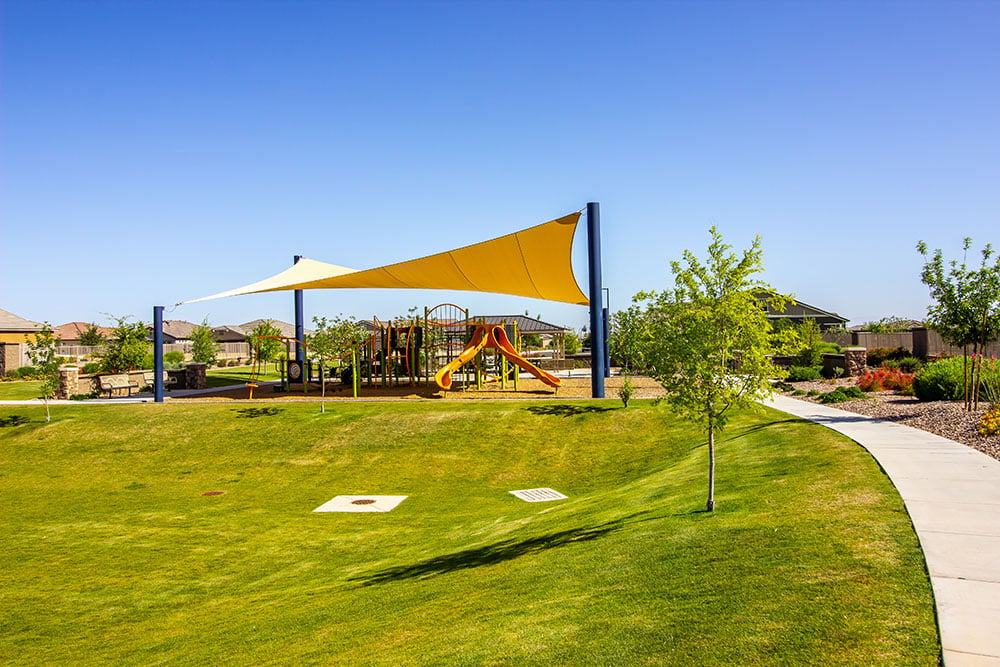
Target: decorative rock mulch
945, 418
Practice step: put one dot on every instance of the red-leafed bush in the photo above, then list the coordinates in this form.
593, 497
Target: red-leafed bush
881, 379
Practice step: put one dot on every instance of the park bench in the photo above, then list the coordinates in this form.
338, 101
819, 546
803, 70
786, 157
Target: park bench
113, 383
149, 376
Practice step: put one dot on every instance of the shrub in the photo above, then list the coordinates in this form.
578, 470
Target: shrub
989, 423
884, 378
25, 372
625, 391
174, 357
877, 355
841, 394
803, 373
783, 386
940, 380
91, 368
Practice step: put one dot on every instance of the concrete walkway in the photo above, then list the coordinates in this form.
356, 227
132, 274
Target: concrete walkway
952, 493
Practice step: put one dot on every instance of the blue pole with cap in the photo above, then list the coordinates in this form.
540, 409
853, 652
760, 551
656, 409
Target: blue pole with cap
158, 354
300, 326
596, 300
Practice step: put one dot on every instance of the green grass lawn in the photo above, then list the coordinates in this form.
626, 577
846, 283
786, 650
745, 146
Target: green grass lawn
112, 555
20, 390
223, 377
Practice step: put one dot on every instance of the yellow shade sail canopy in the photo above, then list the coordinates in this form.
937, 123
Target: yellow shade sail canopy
534, 262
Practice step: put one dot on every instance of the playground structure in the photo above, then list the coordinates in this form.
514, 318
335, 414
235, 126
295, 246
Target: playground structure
443, 345
414, 350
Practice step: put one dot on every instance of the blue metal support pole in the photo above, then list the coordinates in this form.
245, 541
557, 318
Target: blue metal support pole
607, 342
158, 354
596, 300
300, 325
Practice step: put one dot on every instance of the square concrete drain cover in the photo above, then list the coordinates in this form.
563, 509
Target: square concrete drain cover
538, 495
360, 504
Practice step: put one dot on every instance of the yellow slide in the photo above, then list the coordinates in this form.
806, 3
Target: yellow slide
499, 336
478, 342
495, 337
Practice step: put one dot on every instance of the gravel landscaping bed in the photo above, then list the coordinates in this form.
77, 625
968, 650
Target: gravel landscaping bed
945, 418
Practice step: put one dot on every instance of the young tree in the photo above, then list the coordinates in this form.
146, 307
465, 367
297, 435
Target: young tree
708, 340
967, 306
204, 347
262, 343
331, 341
92, 337
571, 342
126, 347
42, 351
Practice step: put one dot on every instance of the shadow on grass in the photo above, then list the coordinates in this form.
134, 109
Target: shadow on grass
566, 410
490, 554
253, 413
13, 420
761, 427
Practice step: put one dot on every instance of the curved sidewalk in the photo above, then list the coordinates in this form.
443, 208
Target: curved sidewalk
952, 494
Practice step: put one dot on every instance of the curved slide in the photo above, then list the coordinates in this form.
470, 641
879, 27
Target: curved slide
493, 337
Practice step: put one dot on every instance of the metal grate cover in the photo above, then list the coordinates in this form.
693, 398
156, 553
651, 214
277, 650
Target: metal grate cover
538, 495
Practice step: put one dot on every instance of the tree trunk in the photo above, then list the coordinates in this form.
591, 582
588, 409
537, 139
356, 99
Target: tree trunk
965, 375
710, 505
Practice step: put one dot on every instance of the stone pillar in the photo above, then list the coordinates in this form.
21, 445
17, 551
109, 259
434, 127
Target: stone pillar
854, 361
195, 376
69, 383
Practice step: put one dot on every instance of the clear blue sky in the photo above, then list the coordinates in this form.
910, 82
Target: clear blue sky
154, 152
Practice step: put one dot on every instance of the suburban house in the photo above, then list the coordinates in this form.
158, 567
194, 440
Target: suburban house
796, 312
14, 331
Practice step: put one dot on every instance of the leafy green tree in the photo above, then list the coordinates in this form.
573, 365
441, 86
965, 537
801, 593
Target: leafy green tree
571, 342
966, 311
531, 341
126, 347
42, 348
890, 324
92, 337
331, 340
204, 347
707, 341
262, 342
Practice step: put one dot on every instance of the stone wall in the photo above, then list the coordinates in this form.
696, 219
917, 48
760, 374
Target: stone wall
855, 359
195, 376
69, 383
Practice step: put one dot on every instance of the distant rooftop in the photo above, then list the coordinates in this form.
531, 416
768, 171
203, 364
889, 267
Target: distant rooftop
11, 322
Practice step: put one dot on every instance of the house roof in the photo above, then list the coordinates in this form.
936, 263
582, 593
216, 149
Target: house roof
11, 322
525, 324
796, 309
73, 330
178, 329
286, 329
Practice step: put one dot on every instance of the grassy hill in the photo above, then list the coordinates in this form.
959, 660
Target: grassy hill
112, 554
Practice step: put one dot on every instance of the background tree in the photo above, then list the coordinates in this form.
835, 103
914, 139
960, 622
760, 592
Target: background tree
966, 311
262, 349
204, 347
92, 337
708, 340
571, 342
42, 348
331, 340
126, 346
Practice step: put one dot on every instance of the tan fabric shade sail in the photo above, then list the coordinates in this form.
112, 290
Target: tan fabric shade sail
534, 262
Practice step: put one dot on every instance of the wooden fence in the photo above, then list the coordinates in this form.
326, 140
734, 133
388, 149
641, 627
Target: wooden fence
921, 342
